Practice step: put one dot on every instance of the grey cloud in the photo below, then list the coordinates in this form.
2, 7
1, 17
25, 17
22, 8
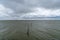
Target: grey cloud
17, 6
26, 6
50, 4
40, 3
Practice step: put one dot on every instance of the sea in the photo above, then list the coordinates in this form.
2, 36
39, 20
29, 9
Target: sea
29, 29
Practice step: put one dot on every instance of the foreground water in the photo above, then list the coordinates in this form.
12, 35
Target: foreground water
30, 30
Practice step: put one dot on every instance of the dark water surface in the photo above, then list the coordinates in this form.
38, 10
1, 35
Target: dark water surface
30, 30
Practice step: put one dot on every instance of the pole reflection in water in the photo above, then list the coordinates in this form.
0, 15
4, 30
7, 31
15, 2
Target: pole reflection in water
28, 30
29, 27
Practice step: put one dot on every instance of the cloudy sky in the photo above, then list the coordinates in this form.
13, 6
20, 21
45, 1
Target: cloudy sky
28, 9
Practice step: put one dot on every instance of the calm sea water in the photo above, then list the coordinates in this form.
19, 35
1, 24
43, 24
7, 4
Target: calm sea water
30, 30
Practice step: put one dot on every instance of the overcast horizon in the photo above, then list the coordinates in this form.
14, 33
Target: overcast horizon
29, 9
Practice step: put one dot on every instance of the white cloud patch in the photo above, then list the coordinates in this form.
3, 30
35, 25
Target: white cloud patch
41, 12
5, 12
